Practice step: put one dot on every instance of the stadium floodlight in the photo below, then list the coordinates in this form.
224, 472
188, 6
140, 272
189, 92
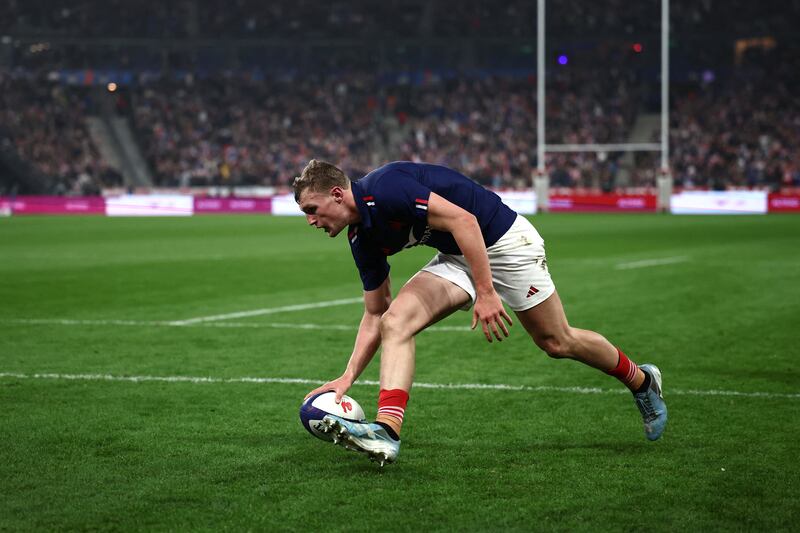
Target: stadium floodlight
541, 179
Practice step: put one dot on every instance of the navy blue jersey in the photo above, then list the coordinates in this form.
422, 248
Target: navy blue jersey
393, 203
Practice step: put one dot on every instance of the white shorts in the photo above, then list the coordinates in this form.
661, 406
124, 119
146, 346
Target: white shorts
518, 264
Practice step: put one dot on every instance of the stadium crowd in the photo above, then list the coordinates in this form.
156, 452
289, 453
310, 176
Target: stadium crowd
363, 18
234, 130
741, 134
487, 127
44, 124
240, 131
729, 126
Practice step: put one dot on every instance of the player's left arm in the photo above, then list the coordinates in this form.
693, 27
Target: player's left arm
444, 215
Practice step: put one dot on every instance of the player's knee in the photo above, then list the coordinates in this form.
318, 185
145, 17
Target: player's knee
393, 325
557, 347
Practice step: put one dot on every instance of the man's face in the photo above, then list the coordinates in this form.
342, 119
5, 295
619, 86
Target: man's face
324, 210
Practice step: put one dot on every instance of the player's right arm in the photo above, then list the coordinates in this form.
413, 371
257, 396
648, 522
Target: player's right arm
368, 339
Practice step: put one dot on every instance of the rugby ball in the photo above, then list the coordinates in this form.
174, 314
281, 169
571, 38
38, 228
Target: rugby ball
316, 407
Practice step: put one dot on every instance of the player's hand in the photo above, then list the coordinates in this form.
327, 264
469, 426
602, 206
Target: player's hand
490, 313
339, 385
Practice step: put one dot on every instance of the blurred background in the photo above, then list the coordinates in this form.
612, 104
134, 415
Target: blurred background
123, 95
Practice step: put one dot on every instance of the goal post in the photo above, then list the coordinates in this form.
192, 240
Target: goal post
541, 179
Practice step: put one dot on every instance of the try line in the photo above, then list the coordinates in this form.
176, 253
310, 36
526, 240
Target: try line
450, 386
173, 324
267, 311
645, 263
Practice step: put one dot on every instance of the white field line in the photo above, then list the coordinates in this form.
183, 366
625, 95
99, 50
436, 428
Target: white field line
652, 262
450, 386
267, 311
172, 324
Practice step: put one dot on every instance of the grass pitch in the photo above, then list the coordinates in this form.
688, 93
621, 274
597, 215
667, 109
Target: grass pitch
87, 302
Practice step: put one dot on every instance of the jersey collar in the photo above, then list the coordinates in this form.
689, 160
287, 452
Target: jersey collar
361, 200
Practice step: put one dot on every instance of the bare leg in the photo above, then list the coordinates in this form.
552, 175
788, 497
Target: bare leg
548, 327
423, 301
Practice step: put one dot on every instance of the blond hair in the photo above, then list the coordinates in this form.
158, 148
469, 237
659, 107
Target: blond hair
319, 176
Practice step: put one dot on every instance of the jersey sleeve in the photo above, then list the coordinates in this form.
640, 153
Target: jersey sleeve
401, 197
371, 262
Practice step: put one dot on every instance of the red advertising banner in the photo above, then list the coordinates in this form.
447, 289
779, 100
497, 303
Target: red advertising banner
783, 203
204, 206
603, 202
96, 205
54, 205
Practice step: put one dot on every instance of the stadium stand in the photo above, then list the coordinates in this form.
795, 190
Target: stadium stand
391, 18
223, 93
743, 132
233, 130
45, 123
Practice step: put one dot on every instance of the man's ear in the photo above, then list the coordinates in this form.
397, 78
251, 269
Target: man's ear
338, 194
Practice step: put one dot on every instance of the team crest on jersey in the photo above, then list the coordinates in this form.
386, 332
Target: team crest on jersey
413, 241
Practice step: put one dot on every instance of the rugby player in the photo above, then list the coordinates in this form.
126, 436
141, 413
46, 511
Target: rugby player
487, 255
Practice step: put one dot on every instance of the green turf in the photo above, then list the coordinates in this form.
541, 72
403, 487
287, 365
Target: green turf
89, 454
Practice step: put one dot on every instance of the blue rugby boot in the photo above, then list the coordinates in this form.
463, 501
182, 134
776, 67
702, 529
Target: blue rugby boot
651, 404
369, 438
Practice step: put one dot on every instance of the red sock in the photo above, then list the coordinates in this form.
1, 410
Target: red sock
625, 371
392, 403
